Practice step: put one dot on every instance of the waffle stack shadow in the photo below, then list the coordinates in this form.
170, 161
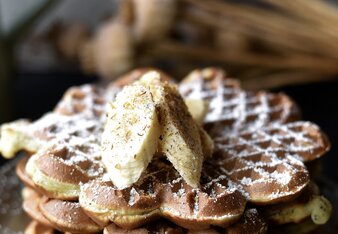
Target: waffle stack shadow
256, 176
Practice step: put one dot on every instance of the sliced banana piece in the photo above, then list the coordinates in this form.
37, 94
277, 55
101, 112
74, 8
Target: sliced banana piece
13, 139
207, 143
130, 136
198, 108
180, 139
319, 208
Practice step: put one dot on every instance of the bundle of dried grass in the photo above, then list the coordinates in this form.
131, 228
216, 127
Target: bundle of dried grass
266, 43
276, 42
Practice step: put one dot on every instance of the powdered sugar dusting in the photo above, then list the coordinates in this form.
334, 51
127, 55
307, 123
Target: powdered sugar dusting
271, 156
132, 196
239, 109
75, 126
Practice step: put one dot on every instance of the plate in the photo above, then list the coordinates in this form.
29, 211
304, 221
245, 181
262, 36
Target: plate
13, 220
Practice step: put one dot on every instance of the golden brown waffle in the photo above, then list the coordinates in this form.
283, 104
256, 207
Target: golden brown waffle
256, 161
156, 227
56, 214
251, 222
31, 201
70, 218
265, 160
232, 109
67, 216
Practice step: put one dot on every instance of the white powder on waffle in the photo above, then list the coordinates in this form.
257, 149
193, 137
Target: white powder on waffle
80, 133
196, 204
239, 107
132, 196
282, 178
283, 162
246, 181
180, 192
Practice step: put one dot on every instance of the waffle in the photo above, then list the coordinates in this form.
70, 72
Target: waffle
231, 109
31, 201
158, 227
56, 214
251, 222
67, 220
67, 216
259, 158
267, 154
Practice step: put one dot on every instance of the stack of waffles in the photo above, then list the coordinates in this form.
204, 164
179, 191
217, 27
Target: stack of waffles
253, 175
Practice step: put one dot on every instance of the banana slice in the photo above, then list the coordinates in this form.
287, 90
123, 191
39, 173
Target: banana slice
180, 140
319, 208
131, 134
198, 108
13, 139
207, 143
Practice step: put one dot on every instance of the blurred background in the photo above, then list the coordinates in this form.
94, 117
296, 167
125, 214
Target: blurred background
47, 46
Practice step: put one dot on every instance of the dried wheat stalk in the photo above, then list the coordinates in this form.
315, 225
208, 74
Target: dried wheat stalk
300, 34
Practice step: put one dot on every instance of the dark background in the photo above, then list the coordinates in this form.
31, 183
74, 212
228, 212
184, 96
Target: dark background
35, 94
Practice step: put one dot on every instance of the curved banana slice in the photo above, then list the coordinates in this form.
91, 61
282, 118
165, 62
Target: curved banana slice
180, 140
13, 139
207, 143
131, 134
319, 208
198, 108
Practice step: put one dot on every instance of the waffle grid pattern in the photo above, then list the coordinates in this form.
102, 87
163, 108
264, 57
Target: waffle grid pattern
231, 109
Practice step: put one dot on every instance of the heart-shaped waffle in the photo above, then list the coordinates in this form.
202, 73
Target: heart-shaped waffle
258, 158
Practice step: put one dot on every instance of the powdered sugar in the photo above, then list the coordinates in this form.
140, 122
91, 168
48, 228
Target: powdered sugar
75, 125
228, 103
132, 196
271, 156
